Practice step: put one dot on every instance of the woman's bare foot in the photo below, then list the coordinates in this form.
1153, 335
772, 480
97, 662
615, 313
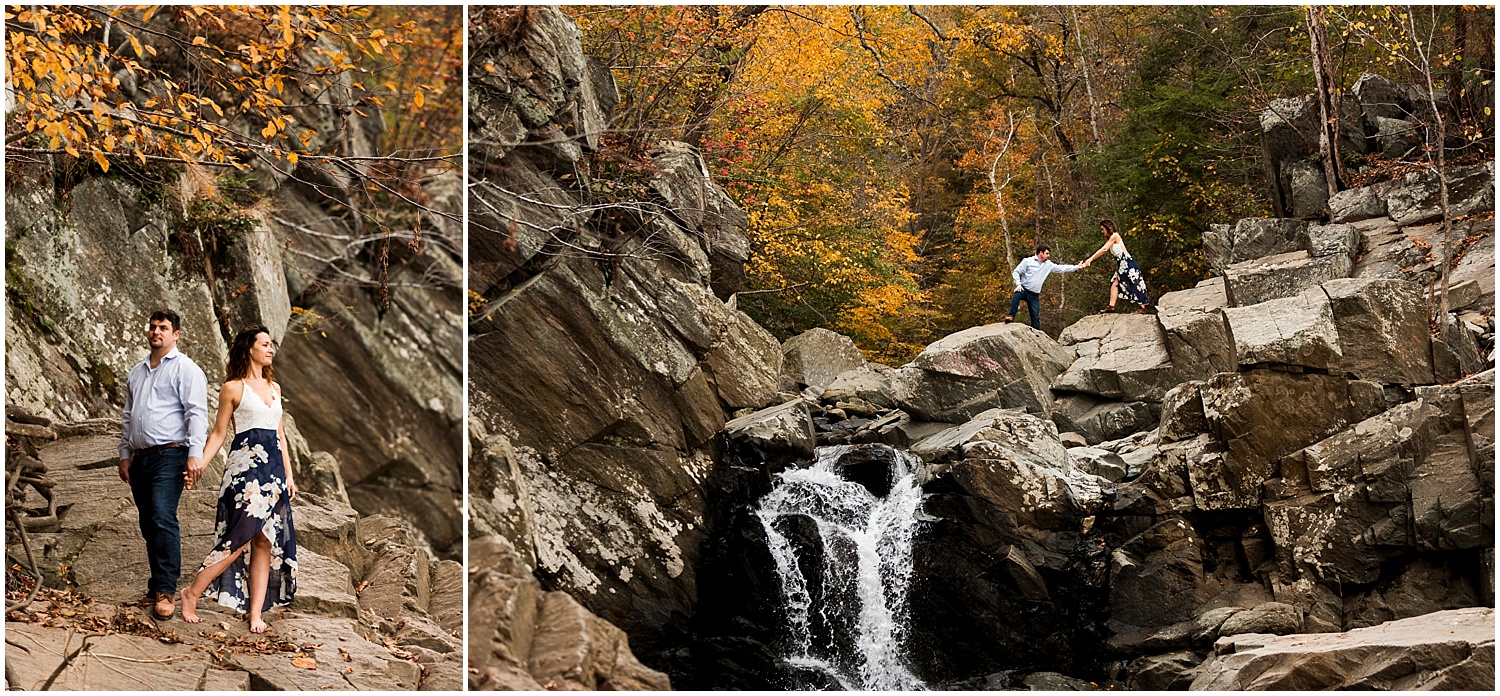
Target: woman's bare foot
257, 625
189, 606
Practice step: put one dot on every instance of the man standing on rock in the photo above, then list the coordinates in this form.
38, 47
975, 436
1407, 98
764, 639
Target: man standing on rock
163, 428
1029, 276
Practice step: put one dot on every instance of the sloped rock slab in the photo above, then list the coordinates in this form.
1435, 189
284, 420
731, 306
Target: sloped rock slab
1440, 651
1282, 275
1120, 356
115, 662
1252, 238
1296, 330
969, 372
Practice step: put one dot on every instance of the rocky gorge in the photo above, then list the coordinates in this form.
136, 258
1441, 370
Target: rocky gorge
1282, 470
371, 366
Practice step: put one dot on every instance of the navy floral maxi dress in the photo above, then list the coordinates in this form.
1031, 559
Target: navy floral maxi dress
253, 500
1132, 282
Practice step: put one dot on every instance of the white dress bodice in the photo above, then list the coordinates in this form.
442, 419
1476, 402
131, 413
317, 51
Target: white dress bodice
253, 412
1118, 249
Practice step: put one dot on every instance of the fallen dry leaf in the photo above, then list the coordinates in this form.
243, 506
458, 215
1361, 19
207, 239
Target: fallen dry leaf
305, 663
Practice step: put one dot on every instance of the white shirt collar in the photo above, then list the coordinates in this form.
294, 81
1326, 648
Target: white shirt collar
170, 355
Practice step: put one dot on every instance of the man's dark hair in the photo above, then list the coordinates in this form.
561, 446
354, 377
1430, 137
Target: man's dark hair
166, 315
1042, 247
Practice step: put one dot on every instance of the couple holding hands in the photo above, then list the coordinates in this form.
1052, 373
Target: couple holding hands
1033, 271
165, 446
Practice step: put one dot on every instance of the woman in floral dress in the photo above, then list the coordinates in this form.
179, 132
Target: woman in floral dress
1128, 280
255, 498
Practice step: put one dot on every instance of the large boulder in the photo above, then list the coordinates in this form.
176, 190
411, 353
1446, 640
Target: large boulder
814, 358
1261, 416
1282, 275
1417, 200
1297, 330
872, 382
1197, 337
969, 372
1252, 238
1098, 420
786, 428
1442, 651
1382, 329
1120, 356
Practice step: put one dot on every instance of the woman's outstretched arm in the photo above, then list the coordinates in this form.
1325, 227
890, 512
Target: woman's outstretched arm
1107, 244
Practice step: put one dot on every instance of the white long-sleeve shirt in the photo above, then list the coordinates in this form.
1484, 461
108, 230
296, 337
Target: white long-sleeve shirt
1032, 272
165, 405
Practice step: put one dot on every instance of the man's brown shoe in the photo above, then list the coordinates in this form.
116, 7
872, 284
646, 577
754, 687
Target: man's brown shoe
163, 601
1009, 318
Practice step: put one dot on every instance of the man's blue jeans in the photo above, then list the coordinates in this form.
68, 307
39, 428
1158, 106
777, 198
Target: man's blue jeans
156, 483
1033, 303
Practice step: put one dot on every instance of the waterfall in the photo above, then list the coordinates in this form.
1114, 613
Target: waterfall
845, 598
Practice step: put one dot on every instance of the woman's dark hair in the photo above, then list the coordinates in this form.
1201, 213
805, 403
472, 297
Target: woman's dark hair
1109, 227
239, 354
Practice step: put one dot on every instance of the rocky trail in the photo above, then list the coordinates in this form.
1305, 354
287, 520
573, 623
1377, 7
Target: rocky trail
1280, 469
374, 608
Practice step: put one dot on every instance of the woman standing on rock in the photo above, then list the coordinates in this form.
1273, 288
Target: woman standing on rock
1128, 280
255, 499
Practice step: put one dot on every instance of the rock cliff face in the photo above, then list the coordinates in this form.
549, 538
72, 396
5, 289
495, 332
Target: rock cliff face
89, 256
606, 358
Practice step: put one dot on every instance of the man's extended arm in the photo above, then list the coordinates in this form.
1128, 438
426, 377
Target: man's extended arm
1064, 267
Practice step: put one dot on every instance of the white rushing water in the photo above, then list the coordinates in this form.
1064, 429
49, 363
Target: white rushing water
856, 634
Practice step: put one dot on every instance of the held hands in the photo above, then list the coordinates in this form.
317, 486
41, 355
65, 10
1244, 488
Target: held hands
1084, 264
195, 467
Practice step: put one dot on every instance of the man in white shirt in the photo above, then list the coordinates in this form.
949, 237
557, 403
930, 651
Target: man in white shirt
163, 428
1029, 276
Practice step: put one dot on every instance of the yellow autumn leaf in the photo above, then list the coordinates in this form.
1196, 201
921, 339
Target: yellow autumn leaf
102, 160
291, 158
136, 44
417, 98
269, 130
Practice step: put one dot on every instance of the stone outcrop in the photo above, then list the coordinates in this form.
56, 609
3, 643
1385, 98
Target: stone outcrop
1440, 651
523, 638
377, 386
1120, 356
969, 372
608, 354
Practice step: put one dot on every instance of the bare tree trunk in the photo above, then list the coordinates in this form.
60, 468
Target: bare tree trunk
1088, 84
999, 189
1328, 140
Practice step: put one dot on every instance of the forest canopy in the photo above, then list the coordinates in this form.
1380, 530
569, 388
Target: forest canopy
897, 161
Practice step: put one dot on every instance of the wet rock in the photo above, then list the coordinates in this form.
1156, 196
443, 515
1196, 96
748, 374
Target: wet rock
969, 372
816, 357
1120, 356
1298, 330
1444, 650
870, 467
784, 428
1052, 681
1252, 238
1157, 577
1382, 329
1283, 275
